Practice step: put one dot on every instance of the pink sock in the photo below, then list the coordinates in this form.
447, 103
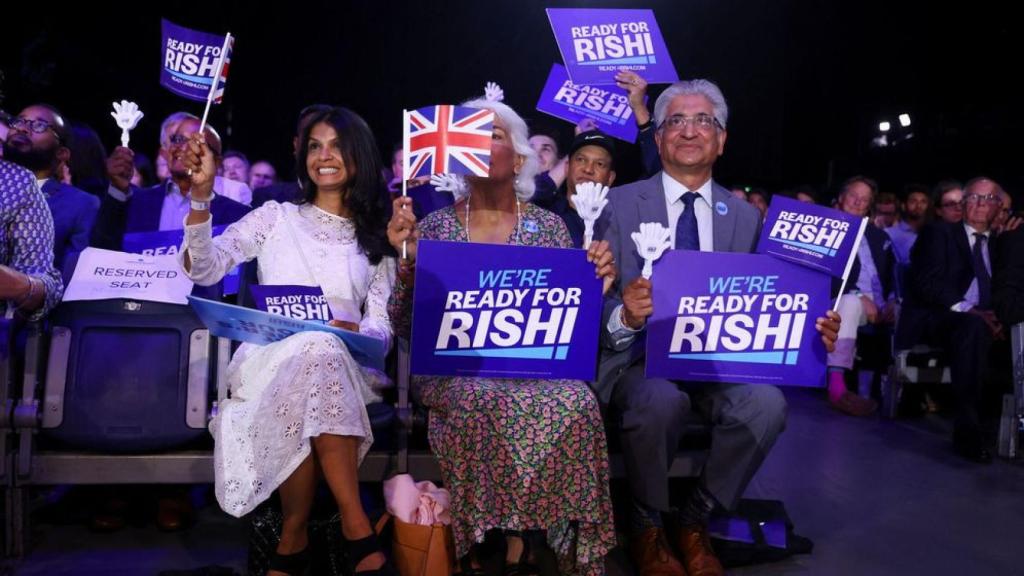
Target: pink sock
836, 384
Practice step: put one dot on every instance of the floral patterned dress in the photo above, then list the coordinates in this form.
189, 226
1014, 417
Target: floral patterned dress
518, 454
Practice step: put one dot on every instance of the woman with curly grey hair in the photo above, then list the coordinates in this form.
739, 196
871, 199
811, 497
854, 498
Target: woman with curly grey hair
527, 457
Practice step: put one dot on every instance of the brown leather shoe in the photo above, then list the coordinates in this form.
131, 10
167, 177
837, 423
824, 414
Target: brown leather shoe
111, 515
854, 405
173, 513
698, 556
652, 555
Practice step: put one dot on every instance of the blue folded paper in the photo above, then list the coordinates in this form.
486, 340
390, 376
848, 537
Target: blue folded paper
257, 327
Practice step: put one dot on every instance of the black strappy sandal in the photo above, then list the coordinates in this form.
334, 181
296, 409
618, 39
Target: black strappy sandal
466, 567
521, 567
292, 564
360, 549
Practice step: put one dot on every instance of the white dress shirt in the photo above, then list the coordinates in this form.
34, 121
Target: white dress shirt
970, 299
702, 208
623, 335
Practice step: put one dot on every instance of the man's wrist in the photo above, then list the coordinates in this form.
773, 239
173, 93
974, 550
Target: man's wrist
624, 319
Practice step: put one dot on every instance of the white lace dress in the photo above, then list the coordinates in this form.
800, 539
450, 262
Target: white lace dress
285, 393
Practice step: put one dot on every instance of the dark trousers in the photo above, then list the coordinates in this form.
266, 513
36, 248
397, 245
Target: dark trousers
967, 342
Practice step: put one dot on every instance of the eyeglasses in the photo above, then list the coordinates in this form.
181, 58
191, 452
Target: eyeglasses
177, 139
37, 126
702, 122
980, 198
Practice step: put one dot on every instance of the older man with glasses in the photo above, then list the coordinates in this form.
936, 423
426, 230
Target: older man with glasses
745, 420
126, 208
949, 304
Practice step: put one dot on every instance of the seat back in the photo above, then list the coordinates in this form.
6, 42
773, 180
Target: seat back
126, 376
7, 377
1011, 421
902, 270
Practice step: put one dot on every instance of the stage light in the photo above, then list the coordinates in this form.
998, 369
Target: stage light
884, 127
904, 120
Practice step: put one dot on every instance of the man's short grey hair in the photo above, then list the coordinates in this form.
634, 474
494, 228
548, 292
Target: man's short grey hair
979, 179
705, 88
520, 136
170, 124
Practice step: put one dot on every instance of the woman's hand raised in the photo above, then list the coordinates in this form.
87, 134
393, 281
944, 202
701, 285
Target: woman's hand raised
402, 228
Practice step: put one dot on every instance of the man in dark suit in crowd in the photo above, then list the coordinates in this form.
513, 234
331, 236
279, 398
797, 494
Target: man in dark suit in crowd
690, 118
1008, 277
949, 304
126, 209
39, 141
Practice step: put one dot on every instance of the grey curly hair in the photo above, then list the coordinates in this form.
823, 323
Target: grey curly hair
519, 134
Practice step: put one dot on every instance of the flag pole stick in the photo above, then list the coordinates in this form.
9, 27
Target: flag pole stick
216, 80
849, 261
405, 169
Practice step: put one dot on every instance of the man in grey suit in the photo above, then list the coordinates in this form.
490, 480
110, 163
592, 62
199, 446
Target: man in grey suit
746, 419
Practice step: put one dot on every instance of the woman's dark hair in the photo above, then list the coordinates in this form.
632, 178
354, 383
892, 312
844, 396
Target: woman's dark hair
144, 166
88, 159
365, 198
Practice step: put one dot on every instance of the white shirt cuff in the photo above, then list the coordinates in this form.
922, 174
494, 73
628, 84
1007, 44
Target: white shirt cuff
621, 334
118, 195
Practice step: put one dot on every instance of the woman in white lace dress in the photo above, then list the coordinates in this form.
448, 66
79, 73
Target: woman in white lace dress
299, 404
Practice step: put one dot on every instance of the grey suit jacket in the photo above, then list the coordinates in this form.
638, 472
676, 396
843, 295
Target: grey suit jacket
735, 228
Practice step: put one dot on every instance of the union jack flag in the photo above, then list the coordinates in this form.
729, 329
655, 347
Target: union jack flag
222, 79
446, 139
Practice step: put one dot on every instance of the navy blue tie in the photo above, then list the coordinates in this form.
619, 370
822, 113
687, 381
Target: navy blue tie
981, 272
687, 236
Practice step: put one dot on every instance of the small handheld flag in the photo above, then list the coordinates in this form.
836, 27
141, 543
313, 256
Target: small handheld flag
446, 139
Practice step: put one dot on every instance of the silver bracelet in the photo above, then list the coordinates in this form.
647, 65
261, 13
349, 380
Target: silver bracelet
31, 292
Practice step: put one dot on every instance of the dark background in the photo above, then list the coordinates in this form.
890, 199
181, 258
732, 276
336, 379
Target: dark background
807, 82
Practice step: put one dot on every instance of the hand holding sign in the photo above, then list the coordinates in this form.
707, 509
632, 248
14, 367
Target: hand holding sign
828, 327
586, 125
636, 87
604, 263
590, 199
127, 116
651, 242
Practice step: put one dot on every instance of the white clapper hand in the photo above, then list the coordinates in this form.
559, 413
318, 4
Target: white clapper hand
448, 183
127, 116
493, 92
651, 242
590, 199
